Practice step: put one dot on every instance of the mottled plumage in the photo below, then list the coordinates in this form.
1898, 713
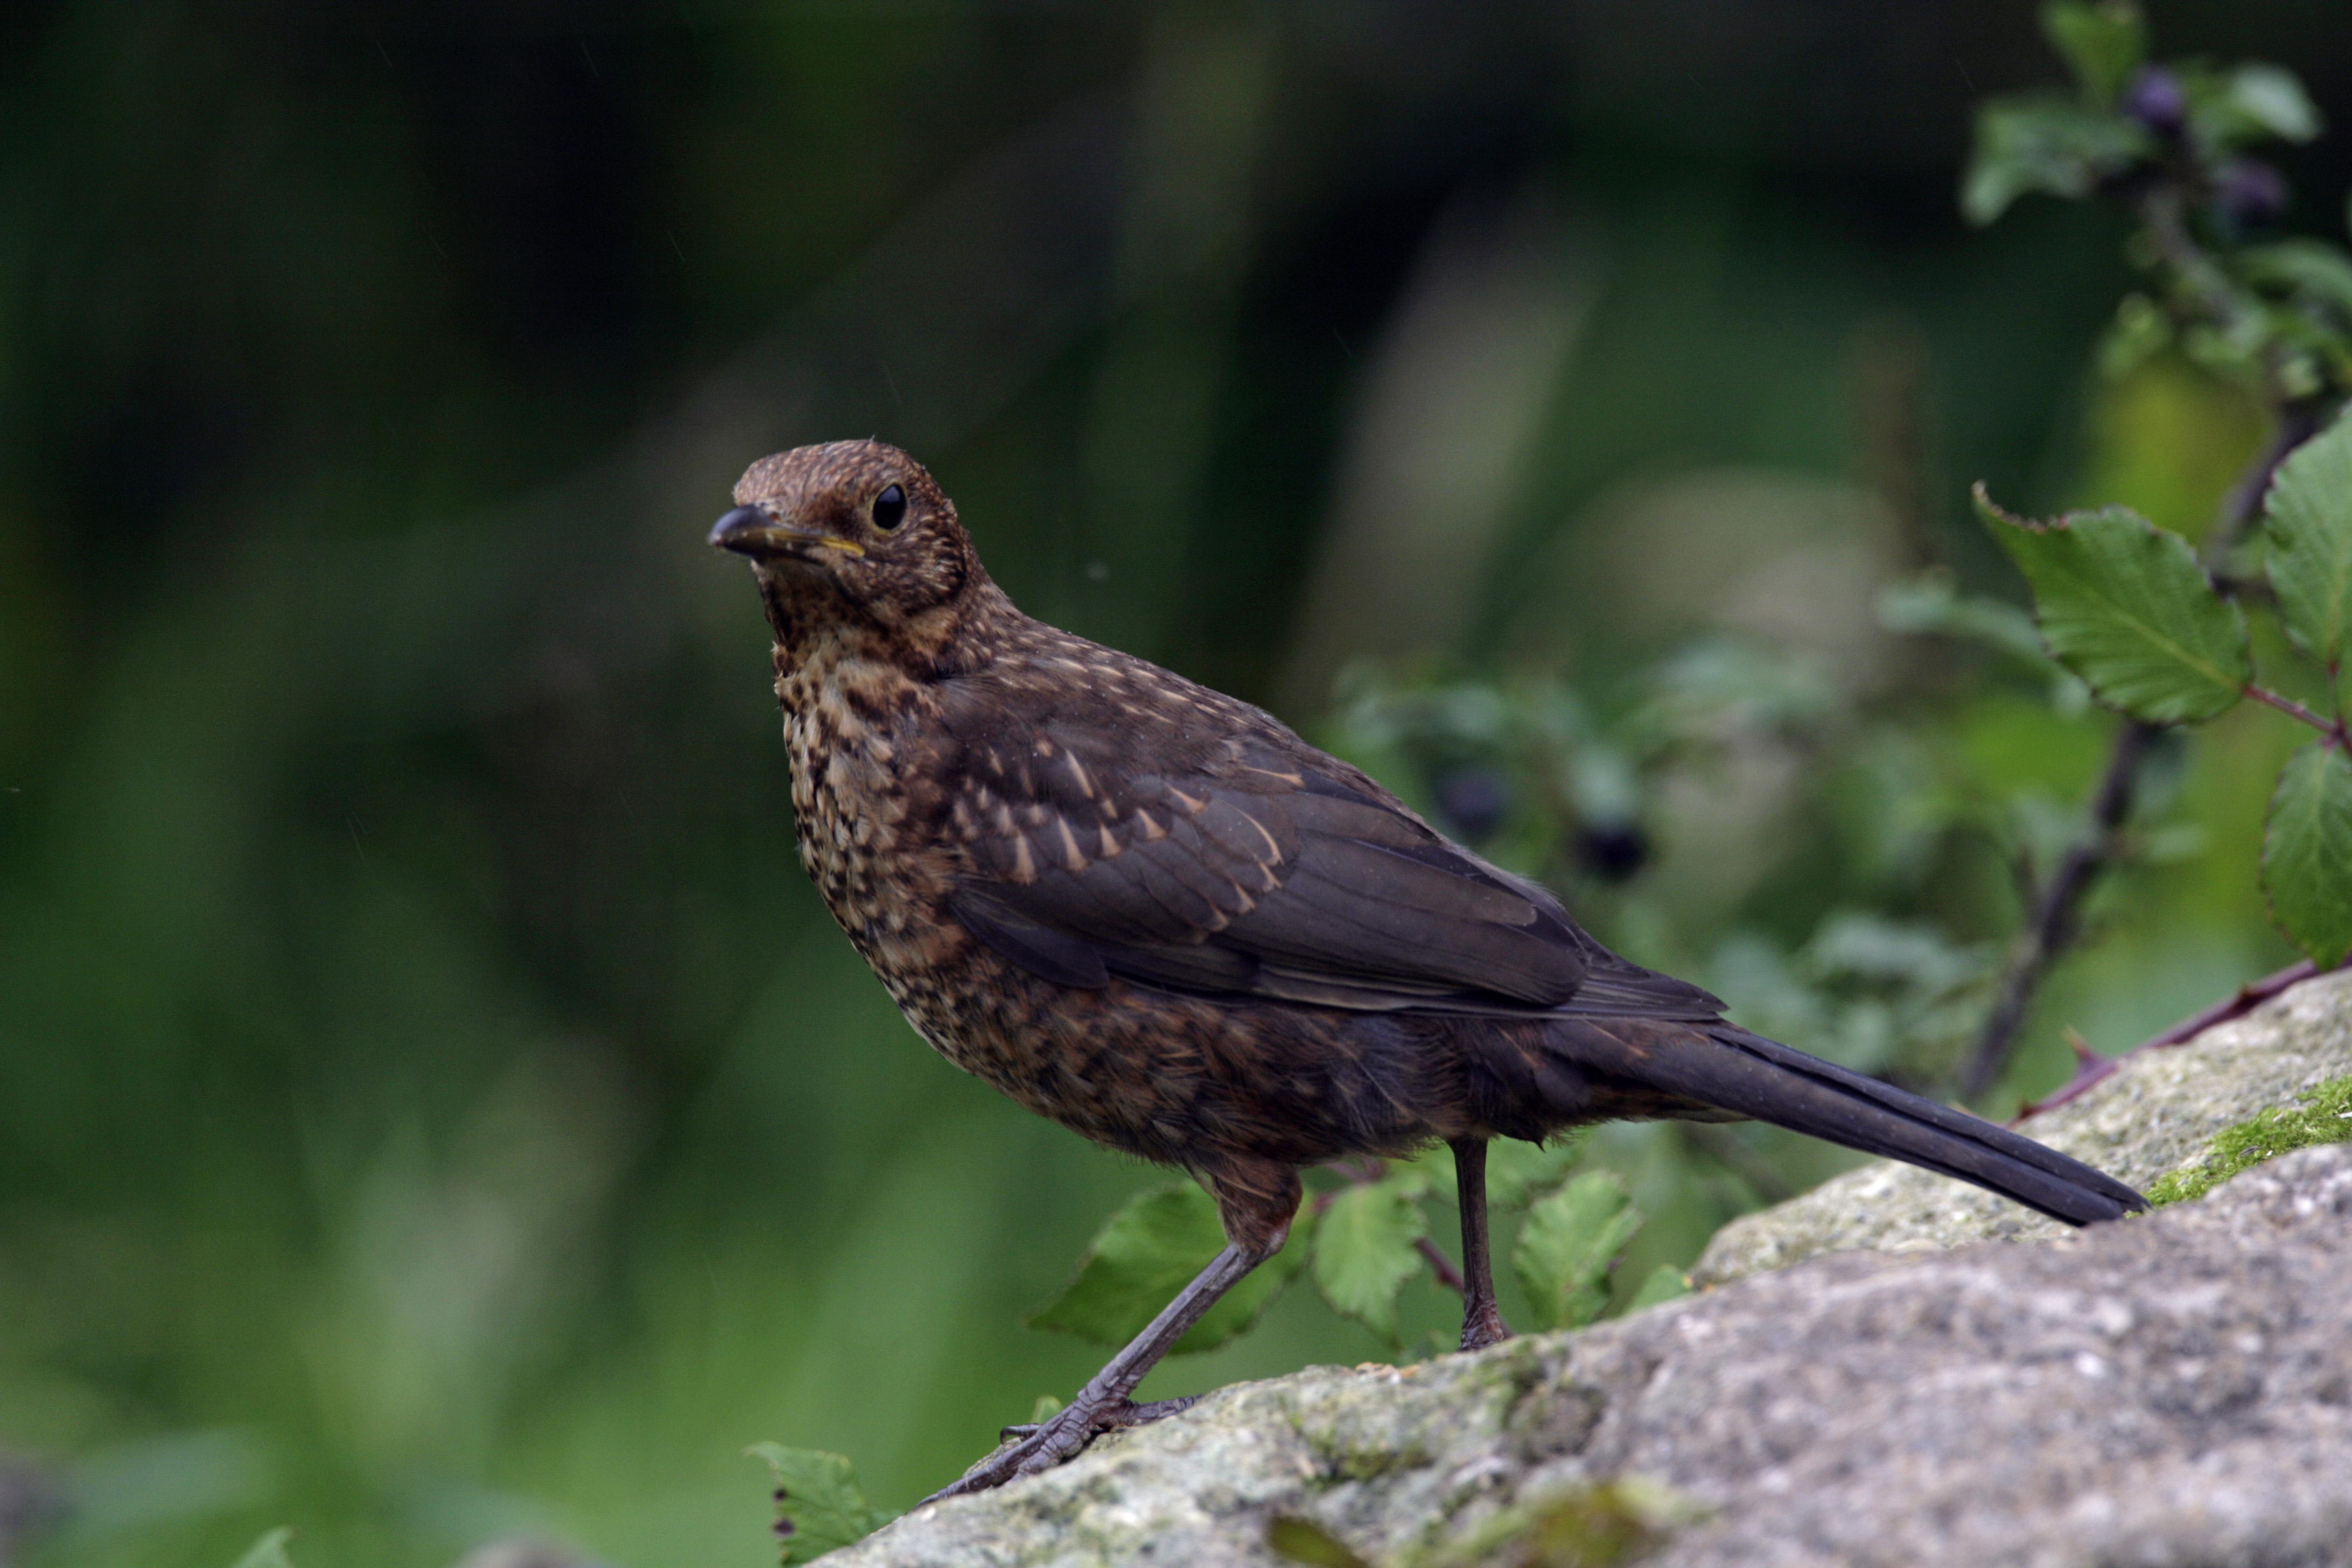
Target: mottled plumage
1154, 914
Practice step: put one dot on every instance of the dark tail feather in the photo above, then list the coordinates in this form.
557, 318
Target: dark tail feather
1723, 1066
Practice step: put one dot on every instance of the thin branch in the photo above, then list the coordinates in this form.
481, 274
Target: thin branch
2292, 708
2057, 918
2091, 1068
1439, 1266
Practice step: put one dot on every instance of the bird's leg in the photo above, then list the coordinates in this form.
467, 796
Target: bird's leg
1482, 1321
1102, 1406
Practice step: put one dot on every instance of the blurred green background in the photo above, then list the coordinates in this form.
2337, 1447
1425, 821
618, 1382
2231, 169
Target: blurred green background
433, 1107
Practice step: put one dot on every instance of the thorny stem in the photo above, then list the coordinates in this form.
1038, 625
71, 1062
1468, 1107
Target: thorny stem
2332, 728
2091, 1068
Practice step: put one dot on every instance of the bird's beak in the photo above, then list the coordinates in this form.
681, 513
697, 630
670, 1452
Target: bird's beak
750, 530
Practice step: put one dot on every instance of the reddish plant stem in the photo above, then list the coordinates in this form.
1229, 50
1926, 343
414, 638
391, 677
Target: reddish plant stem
2091, 1068
2332, 728
1441, 1266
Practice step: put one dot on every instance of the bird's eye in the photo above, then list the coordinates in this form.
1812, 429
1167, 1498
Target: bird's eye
889, 509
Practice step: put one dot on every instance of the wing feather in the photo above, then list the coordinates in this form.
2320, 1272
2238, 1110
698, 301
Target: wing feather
1244, 862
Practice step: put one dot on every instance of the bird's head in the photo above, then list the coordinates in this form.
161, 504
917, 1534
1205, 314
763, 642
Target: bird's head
852, 539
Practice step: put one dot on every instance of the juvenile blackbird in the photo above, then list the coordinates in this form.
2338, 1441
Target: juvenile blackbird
1153, 913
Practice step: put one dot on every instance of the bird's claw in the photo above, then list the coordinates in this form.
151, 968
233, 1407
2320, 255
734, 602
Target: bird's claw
1484, 1327
1025, 1449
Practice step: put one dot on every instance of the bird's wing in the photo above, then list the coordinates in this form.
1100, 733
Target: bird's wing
1248, 863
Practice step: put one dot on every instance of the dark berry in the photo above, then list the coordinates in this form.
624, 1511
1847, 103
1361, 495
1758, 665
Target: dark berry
2250, 191
2155, 100
1474, 799
1615, 852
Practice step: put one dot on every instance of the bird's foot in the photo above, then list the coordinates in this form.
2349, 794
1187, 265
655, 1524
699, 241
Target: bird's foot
1028, 1449
1482, 1326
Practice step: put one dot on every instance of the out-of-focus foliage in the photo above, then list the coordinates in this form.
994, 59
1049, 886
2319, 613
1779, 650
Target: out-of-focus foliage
433, 1107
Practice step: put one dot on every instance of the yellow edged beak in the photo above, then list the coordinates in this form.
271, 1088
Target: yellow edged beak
750, 530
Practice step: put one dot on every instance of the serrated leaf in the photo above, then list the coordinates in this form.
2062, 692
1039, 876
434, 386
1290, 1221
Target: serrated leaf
2047, 143
1147, 1252
2103, 43
819, 1506
2308, 853
1365, 1250
2309, 516
270, 1551
1665, 1283
1517, 1171
2124, 605
1566, 1245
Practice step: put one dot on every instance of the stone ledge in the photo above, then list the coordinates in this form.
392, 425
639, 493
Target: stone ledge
2173, 1390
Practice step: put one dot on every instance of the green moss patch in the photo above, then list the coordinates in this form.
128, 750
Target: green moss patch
2320, 1114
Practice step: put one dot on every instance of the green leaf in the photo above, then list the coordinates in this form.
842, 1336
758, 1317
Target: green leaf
1932, 603
2272, 100
2047, 143
1516, 1171
2124, 605
1665, 1283
1857, 944
1147, 1252
1364, 1250
2308, 853
270, 1551
819, 1506
2311, 270
1300, 1539
2140, 331
1566, 1245
2244, 104
2102, 43
2309, 516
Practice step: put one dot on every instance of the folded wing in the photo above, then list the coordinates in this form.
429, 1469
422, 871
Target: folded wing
1256, 865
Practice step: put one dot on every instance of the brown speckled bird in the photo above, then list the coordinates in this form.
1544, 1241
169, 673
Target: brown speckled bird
1153, 913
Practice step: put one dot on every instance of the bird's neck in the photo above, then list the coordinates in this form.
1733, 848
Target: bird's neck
829, 658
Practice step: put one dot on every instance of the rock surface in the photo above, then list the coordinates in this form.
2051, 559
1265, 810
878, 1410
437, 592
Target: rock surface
2175, 1390
2157, 1114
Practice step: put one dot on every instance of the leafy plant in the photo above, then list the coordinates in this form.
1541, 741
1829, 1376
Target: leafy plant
819, 1506
2125, 605
1361, 1240
1147, 1252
